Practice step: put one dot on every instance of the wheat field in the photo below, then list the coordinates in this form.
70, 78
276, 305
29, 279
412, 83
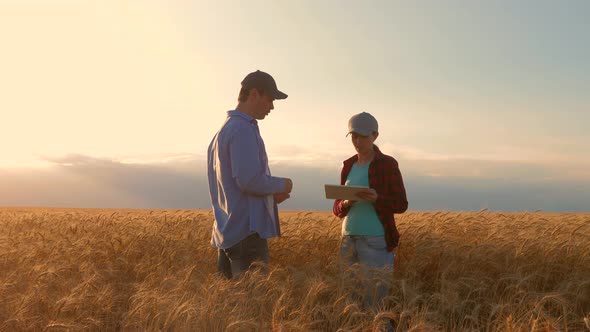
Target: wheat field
140, 270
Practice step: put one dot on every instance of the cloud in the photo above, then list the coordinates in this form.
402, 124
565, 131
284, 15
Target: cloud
522, 164
469, 194
82, 181
317, 156
179, 181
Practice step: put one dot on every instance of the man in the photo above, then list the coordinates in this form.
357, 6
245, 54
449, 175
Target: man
243, 193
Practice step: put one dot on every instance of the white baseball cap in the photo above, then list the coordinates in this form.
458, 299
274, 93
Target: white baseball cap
363, 124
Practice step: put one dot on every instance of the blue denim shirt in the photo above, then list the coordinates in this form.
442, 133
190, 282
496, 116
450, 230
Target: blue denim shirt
240, 183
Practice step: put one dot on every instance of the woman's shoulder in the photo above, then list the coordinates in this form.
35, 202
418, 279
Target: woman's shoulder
388, 159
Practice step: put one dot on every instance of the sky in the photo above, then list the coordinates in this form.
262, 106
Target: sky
113, 103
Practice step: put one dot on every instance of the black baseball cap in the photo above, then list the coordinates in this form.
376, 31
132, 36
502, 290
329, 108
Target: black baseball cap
264, 81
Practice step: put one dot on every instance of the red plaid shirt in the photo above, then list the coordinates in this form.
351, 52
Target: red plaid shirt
386, 178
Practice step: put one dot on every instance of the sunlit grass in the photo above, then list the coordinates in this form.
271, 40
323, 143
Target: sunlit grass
73, 269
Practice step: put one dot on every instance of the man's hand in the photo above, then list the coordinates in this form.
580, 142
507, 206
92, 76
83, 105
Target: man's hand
288, 185
281, 197
369, 195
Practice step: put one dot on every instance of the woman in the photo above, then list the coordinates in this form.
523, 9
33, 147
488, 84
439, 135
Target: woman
369, 233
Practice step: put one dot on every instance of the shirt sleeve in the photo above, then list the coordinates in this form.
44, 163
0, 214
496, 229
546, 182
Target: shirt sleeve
248, 170
337, 208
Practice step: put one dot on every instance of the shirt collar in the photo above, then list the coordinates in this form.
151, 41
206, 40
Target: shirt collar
242, 115
378, 156
378, 153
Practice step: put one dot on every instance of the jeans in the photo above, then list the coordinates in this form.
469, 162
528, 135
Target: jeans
374, 261
236, 260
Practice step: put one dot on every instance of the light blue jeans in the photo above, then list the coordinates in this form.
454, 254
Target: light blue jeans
374, 261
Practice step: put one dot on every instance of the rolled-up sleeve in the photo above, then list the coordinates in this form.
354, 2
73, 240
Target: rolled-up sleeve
248, 170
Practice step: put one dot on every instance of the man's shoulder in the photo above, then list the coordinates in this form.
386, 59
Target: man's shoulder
235, 125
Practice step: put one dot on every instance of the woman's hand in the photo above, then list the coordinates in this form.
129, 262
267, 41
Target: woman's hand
369, 195
347, 203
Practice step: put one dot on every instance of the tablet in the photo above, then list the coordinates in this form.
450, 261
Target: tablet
343, 192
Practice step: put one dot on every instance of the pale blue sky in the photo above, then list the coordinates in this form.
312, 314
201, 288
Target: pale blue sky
465, 92
501, 80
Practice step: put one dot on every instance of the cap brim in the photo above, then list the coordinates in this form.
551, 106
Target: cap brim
359, 131
280, 95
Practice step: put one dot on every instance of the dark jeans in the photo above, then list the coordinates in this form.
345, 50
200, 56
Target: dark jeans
237, 259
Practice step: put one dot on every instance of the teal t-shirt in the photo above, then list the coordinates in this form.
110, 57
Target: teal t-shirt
362, 218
